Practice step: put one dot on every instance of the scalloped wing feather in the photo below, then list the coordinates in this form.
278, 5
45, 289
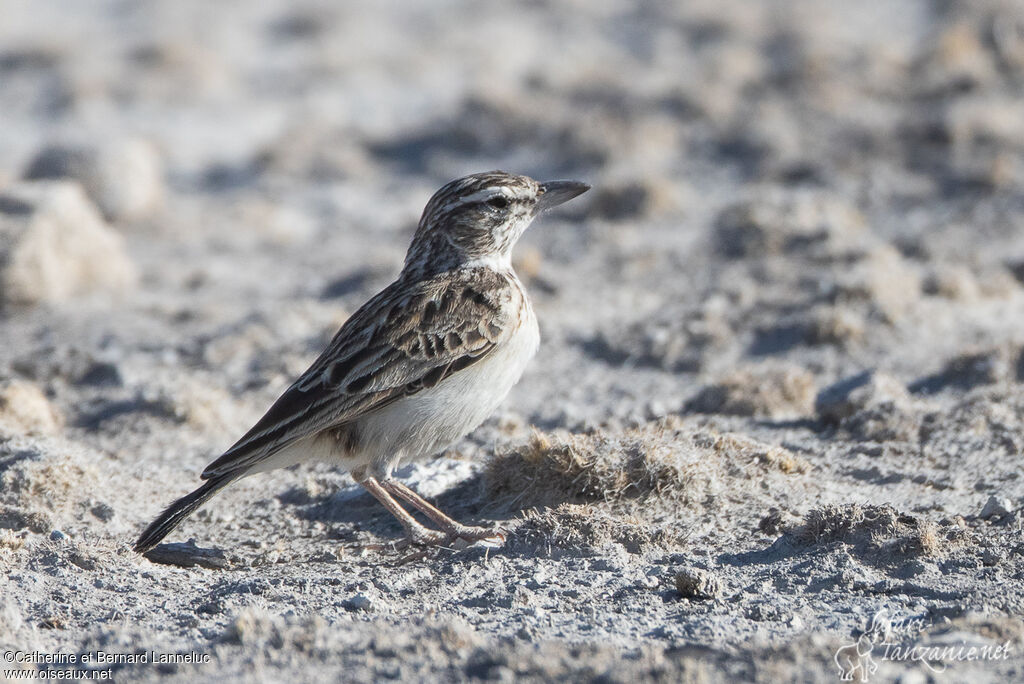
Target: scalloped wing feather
407, 338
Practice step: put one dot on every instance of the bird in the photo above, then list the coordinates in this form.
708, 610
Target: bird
416, 368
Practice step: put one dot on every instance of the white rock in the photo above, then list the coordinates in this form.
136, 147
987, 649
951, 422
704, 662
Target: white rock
124, 177
882, 278
24, 409
996, 506
54, 245
850, 395
359, 602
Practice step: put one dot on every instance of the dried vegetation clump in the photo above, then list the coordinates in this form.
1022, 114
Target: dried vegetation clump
584, 468
975, 368
871, 406
872, 528
256, 627
55, 246
879, 279
663, 459
694, 583
788, 223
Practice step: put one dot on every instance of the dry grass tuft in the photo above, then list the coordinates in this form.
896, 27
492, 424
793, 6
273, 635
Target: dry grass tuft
663, 460
928, 539
24, 409
254, 626
847, 523
871, 528
583, 467
10, 541
694, 583
763, 454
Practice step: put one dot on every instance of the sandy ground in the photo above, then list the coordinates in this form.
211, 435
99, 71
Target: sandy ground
777, 411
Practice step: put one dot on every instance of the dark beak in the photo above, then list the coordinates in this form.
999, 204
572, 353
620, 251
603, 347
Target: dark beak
553, 193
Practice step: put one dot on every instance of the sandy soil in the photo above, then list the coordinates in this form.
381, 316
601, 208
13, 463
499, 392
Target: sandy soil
776, 415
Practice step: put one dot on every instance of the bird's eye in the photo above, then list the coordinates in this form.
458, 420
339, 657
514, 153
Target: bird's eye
498, 202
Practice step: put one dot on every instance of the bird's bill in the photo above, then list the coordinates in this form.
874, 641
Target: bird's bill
553, 193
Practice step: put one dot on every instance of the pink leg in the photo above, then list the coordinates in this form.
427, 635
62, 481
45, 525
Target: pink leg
455, 529
415, 532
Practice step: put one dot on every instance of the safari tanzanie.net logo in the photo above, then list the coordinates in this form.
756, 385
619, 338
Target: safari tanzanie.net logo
894, 639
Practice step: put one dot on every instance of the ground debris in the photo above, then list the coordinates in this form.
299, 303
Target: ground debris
590, 529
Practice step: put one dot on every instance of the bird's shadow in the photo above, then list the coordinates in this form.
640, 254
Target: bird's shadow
355, 510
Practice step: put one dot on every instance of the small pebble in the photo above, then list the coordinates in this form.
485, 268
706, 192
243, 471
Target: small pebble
693, 583
358, 602
991, 557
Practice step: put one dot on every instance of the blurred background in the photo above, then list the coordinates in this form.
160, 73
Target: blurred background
771, 179
666, 107
830, 184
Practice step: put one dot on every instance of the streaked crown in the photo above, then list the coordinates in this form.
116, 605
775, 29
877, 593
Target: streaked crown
481, 217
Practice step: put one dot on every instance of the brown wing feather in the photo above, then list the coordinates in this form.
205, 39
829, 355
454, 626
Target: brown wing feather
400, 342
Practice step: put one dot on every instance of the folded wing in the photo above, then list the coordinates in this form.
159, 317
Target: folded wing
402, 341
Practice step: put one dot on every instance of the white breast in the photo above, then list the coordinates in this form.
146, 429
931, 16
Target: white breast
433, 419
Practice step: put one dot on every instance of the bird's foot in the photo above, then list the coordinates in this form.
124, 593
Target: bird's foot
422, 537
458, 537
463, 536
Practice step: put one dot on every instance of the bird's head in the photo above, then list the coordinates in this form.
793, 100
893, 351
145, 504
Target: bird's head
479, 218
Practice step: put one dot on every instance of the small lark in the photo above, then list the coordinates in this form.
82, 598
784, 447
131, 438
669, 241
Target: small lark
417, 367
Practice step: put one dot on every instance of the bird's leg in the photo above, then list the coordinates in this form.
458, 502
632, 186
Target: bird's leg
415, 532
454, 528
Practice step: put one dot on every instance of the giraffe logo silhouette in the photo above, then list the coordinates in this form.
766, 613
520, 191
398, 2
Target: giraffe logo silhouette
854, 659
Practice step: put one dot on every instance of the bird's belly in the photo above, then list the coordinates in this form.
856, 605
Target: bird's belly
433, 419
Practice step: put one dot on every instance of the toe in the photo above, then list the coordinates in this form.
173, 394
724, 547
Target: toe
471, 535
427, 537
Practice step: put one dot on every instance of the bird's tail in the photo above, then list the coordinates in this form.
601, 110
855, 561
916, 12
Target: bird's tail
179, 510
